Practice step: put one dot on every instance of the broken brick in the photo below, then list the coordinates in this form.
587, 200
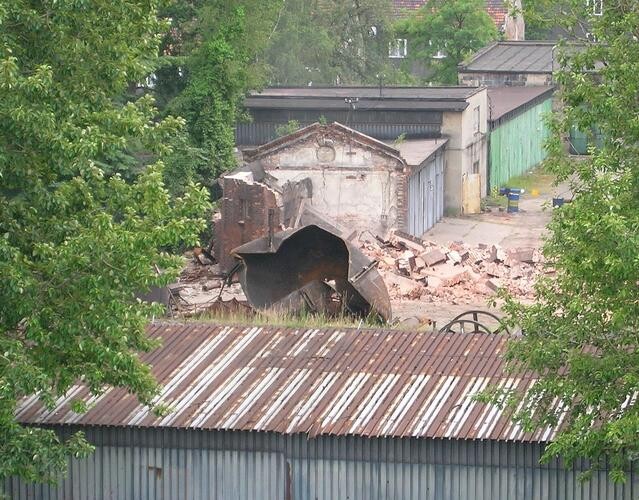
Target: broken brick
494, 284
433, 257
522, 254
449, 274
495, 270
399, 241
454, 256
406, 286
497, 254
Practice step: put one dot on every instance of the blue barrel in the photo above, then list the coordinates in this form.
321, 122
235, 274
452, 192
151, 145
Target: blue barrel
513, 202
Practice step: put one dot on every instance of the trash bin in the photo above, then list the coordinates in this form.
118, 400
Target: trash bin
513, 195
513, 202
557, 202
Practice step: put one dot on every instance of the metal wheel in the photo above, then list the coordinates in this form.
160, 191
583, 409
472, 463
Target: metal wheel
471, 322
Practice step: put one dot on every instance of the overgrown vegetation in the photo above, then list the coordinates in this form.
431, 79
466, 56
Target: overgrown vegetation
443, 33
304, 320
83, 226
288, 128
582, 334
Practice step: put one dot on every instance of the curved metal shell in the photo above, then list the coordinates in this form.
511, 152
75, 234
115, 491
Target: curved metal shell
278, 265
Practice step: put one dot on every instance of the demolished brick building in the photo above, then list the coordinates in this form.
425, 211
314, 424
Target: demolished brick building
334, 173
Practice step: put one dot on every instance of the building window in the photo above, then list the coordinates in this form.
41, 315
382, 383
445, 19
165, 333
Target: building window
476, 117
397, 48
439, 55
597, 7
244, 211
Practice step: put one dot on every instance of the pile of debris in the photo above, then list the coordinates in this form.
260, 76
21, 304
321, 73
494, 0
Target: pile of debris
457, 273
201, 290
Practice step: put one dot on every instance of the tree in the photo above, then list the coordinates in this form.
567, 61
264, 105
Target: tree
349, 42
582, 334
443, 33
209, 61
77, 241
216, 51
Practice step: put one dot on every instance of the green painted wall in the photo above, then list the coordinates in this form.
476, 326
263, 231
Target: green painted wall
517, 145
580, 142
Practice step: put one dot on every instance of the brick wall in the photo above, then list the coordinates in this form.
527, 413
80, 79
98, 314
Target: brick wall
244, 210
402, 200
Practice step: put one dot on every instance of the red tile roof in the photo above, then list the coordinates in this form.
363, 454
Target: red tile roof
496, 9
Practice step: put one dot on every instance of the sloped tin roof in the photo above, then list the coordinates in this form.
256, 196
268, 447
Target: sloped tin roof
329, 381
505, 100
512, 57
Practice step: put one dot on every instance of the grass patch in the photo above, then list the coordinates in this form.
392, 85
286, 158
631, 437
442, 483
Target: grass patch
305, 320
536, 179
494, 200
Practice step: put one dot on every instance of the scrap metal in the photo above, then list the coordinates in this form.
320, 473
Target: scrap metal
287, 262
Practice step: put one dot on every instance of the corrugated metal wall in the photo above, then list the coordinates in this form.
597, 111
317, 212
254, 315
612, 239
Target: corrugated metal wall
188, 464
426, 196
517, 145
258, 133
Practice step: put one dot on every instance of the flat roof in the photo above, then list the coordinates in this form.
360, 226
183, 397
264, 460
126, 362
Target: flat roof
512, 57
417, 151
365, 98
313, 381
505, 100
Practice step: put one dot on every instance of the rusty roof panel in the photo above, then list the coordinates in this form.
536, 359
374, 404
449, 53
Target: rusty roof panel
332, 381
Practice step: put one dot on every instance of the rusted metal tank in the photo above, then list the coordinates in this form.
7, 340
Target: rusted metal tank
282, 263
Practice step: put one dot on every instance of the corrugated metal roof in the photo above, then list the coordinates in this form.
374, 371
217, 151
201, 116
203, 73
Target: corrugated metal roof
455, 92
314, 381
512, 57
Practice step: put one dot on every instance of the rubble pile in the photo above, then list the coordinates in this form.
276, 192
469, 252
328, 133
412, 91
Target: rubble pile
200, 289
457, 273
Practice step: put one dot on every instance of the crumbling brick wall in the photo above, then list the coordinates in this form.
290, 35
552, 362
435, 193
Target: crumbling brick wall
402, 199
244, 206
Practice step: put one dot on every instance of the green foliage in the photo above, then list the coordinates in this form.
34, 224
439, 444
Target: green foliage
78, 241
323, 42
455, 28
582, 334
290, 127
400, 139
209, 61
215, 51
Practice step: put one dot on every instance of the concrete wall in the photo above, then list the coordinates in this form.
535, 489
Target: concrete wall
487, 79
355, 186
466, 146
